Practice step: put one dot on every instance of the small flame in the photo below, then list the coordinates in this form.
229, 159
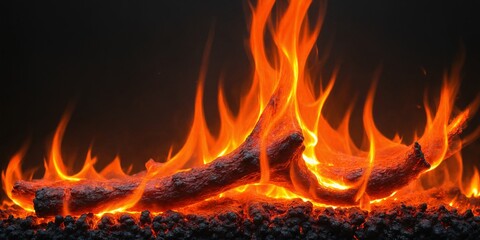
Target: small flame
472, 190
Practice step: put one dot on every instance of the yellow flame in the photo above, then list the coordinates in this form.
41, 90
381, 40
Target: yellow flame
472, 190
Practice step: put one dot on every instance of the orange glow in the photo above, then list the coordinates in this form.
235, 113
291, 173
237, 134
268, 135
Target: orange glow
282, 63
472, 190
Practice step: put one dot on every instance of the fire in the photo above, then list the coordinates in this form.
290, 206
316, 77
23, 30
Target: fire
13, 174
474, 185
281, 64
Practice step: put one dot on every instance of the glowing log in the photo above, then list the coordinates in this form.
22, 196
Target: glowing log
283, 142
238, 168
242, 166
183, 188
383, 181
392, 170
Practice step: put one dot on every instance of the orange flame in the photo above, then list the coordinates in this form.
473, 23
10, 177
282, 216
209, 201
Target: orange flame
281, 62
473, 189
13, 174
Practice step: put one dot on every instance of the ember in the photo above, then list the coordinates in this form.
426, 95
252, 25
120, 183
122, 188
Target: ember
272, 219
276, 169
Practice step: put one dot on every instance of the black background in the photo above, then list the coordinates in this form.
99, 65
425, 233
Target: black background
131, 69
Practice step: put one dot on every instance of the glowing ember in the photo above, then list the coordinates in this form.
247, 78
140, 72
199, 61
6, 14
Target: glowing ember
330, 155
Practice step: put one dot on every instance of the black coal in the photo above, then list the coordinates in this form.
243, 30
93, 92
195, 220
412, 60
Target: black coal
257, 220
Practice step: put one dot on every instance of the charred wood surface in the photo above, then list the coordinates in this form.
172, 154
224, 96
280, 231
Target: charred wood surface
183, 188
240, 167
382, 181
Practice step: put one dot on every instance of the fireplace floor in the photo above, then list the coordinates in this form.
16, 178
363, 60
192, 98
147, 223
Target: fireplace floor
229, 218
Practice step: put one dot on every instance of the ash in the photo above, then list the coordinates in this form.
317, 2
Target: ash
256, 220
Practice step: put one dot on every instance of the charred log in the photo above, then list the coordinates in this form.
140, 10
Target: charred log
383, 180
183, 188
240, 167
284, 145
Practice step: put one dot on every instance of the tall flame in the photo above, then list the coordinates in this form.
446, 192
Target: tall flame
282, 43
13, 174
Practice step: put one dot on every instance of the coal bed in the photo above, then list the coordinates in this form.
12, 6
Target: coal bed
256, 220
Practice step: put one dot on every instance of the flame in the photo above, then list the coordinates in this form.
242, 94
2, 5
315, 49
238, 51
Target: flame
472, 190
282, 43
13, 174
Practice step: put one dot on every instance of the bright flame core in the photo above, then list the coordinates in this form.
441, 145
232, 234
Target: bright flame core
282, 63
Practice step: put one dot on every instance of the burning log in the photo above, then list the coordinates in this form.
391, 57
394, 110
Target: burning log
236, 169
384, 178
183, 188
392, 169
273, 151
242, 166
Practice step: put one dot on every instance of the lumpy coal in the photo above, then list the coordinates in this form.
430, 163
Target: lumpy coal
261, 220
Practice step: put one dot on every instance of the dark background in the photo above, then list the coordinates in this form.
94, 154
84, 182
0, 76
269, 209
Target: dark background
131, 68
